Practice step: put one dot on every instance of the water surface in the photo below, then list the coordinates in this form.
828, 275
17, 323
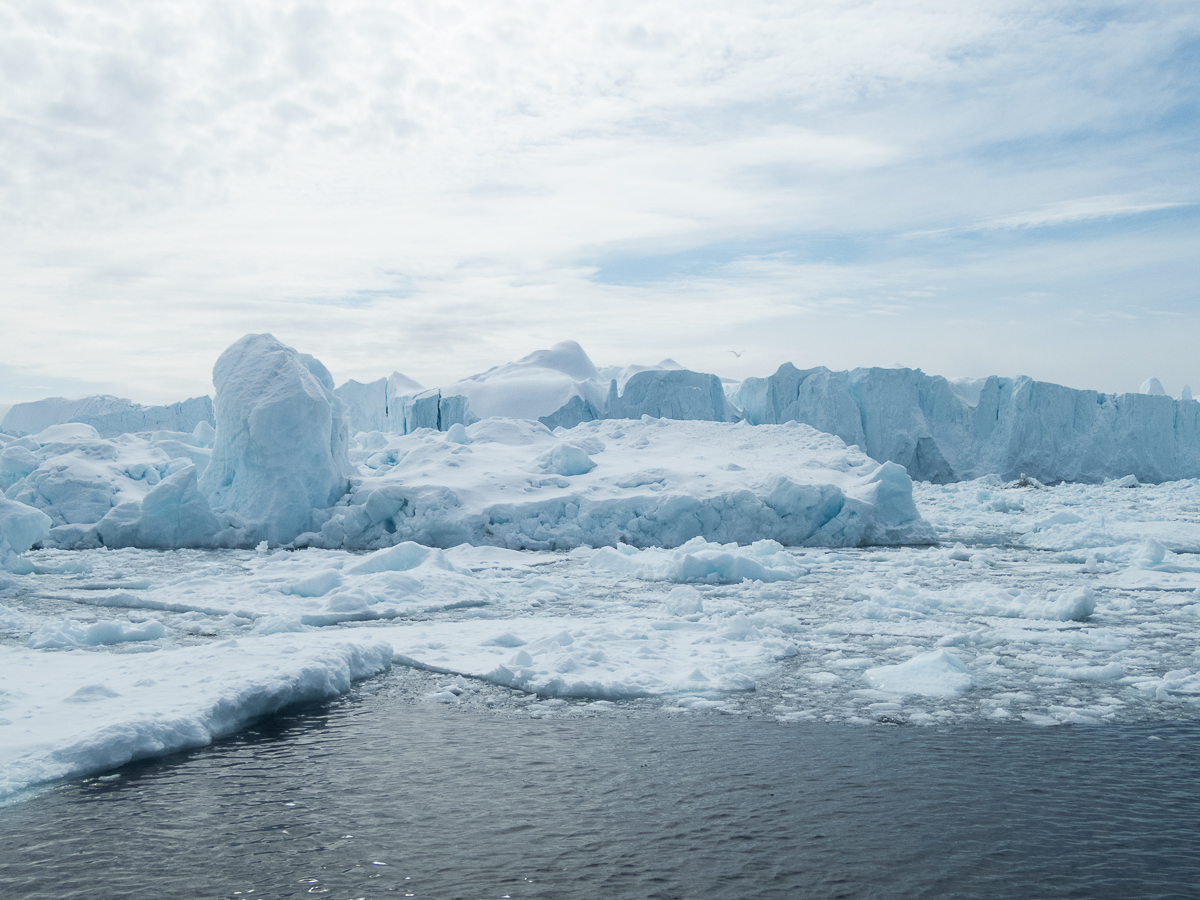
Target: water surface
378, 796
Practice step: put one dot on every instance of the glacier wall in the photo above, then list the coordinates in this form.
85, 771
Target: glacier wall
109, 415
942, 431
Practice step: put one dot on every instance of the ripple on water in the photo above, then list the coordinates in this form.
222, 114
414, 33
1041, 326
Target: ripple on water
375, 796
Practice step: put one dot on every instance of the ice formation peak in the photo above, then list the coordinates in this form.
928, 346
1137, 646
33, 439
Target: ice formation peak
566, 357
1153, 387
282, 442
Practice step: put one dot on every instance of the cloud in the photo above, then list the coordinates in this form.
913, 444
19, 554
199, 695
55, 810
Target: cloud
442, 187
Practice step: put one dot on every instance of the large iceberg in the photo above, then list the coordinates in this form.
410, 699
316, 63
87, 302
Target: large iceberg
110, 416
646, 483
943, 431
281, 447
559, 387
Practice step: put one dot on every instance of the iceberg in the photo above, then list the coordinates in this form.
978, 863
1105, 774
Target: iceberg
645, 483
943, 431
282, 439
377, 406
559, 387
109, 415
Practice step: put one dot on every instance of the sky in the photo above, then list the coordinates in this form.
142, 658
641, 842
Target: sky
980, 188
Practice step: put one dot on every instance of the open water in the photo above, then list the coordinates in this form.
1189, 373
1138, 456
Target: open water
377, 796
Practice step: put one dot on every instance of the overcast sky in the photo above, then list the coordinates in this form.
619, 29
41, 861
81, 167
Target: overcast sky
438, 187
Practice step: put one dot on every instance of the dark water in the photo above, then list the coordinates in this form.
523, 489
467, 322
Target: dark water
378, 797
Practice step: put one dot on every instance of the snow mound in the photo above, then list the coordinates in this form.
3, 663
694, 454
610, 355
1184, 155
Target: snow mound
281, 447
538, 385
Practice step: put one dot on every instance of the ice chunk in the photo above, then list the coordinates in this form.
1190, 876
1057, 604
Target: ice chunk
566, 459
1153, 387
457, 434
70, 634
282, 442
657, 483
1151, 554
21, 527
699, 561
670, 394
173, 514
401, 558
936, 674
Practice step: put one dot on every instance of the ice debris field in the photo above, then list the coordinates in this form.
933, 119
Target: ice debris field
163, 586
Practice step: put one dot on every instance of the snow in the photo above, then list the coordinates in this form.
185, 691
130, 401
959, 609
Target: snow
1153, 387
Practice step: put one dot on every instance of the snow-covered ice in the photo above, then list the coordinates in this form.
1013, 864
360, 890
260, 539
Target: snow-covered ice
283, 470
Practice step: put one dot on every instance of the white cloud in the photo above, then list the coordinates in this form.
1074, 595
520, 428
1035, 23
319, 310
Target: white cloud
439, 187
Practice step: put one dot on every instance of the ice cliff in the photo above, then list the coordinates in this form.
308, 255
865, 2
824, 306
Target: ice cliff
110, 416
943, 431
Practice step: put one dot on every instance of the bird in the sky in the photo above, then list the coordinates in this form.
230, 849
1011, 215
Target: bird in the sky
737, 352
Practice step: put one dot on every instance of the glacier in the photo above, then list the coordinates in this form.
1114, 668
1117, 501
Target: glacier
943, 431
110, 416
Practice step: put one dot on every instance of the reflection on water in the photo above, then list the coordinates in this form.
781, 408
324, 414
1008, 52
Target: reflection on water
377, 797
